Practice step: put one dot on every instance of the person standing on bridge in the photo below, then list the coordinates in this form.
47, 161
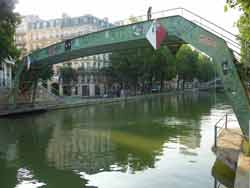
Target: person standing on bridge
149, 13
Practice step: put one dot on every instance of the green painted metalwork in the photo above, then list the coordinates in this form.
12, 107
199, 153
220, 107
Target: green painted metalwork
94, 43
218, 50
14, 91
180, 31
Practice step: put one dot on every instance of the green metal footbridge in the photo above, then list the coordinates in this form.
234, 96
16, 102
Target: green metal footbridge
171, 28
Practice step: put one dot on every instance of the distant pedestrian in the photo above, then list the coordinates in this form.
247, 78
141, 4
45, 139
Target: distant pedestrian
149, 13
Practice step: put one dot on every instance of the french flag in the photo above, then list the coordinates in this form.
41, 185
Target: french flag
156, 34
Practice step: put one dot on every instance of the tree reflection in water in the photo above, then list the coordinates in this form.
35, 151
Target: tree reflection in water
126, 137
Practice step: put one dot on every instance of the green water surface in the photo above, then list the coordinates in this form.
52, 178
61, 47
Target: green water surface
159, 142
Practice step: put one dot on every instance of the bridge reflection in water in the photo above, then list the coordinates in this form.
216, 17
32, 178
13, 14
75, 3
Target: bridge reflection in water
154, 142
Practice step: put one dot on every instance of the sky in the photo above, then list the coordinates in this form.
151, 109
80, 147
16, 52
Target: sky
115, 10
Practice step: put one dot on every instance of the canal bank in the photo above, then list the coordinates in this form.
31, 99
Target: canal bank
229, 149
159, 141
76, 102
229, 142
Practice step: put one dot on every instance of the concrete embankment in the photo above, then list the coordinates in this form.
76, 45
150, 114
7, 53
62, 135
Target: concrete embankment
72, 103
81, 102
242, 179
229, 151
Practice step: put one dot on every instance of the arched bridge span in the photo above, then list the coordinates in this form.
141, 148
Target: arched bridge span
179, 30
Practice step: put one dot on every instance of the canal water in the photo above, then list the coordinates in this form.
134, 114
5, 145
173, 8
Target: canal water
158, 142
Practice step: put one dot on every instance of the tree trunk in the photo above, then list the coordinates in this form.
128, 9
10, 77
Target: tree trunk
135, 86
151, 83
183, 85
178, 84
162, 80
143, 87
135, 89
34, 90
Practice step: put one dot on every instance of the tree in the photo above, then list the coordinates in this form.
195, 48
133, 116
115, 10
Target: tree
8, 23
141, 67
244, 27
206, 69
29, 79
126, 67
146, 67
163, 65
186, 64
243, 5
68, 75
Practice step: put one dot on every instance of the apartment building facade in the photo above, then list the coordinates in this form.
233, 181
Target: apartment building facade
6, 74
35, 33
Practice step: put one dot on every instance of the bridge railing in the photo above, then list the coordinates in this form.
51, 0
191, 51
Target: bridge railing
221, 124
233, 41
227, 121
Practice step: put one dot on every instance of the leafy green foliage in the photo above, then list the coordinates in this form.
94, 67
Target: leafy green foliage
191, 64
68, 74
33, 75
206, 69
244, 5
244, 27
146, 67
187, 63
8, 24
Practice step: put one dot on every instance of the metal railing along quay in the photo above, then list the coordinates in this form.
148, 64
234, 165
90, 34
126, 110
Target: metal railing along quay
218, 127
221, 125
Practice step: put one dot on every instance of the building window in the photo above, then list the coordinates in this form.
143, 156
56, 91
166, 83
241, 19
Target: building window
77, 21
51, 23
8, 73
41, 25
85, 19
54, 23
